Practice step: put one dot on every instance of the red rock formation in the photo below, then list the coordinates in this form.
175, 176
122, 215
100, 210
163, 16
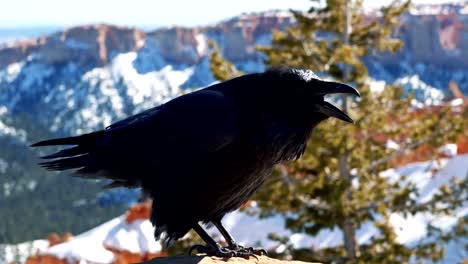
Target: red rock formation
450, 29
90, 45
54, 239
431, 38
425, 152
135, 212
125, 257
46, 259
177, 44
139, 211
238, 35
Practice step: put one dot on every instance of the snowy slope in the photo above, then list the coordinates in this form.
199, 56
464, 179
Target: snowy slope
90, 247
19, 252
83, 100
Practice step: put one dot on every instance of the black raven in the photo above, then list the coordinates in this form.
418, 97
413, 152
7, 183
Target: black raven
203, 154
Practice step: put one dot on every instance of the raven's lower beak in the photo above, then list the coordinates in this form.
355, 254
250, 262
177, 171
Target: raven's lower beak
334, 88
332, 111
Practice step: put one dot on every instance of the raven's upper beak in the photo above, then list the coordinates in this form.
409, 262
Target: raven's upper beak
333, 88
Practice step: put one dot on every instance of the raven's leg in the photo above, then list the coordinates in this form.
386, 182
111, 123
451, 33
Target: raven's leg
214, 249
233, 244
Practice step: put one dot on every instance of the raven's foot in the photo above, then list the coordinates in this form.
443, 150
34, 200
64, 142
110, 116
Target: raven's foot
252, 250
224, 252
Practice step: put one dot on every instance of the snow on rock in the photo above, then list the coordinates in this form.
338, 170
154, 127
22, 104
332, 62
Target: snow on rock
435, 9
392, 145
134, 237
376, 86
8, 130
425, 94
448, 150
202, 44
86, 247
11, 72
19, 252
106, 94
3, 165
92, 246
457, 102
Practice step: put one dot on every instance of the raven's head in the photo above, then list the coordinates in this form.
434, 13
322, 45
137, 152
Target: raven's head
302, 92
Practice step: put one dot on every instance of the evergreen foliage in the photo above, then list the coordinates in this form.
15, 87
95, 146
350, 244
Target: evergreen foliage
337, 183
221, 68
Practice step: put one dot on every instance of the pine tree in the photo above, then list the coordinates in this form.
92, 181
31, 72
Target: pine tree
337, 183
221, 68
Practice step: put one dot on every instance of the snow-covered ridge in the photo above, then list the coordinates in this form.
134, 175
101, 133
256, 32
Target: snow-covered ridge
8, 130
456, 7
72, 100
92, 246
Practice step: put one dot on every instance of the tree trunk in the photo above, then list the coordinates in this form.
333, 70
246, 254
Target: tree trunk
349, 238
349, 232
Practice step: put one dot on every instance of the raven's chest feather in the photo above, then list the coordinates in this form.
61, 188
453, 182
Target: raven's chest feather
242, 167
263, 147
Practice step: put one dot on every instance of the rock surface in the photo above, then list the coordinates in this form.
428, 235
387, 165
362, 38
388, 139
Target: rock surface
200, 259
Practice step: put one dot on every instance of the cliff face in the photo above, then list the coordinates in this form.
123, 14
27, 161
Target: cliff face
91, 45
95, 45
239, 36
434, 34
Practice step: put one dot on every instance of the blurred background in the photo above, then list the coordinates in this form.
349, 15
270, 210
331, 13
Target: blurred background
390, 189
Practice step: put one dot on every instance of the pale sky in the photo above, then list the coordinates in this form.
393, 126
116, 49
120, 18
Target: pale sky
22, 13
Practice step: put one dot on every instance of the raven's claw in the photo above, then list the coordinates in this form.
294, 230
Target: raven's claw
251, 250
226, 252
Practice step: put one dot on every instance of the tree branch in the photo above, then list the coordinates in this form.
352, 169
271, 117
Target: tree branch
404, 149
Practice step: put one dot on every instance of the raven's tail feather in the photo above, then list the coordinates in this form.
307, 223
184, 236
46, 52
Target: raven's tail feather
70, 158
79, 140
69, 152
66, 163
57, 141
87, 157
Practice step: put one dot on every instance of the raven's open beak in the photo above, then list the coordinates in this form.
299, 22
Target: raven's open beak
333, 111
334, 88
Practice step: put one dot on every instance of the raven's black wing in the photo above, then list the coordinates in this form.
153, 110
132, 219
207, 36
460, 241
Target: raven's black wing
203, 121
191, 125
